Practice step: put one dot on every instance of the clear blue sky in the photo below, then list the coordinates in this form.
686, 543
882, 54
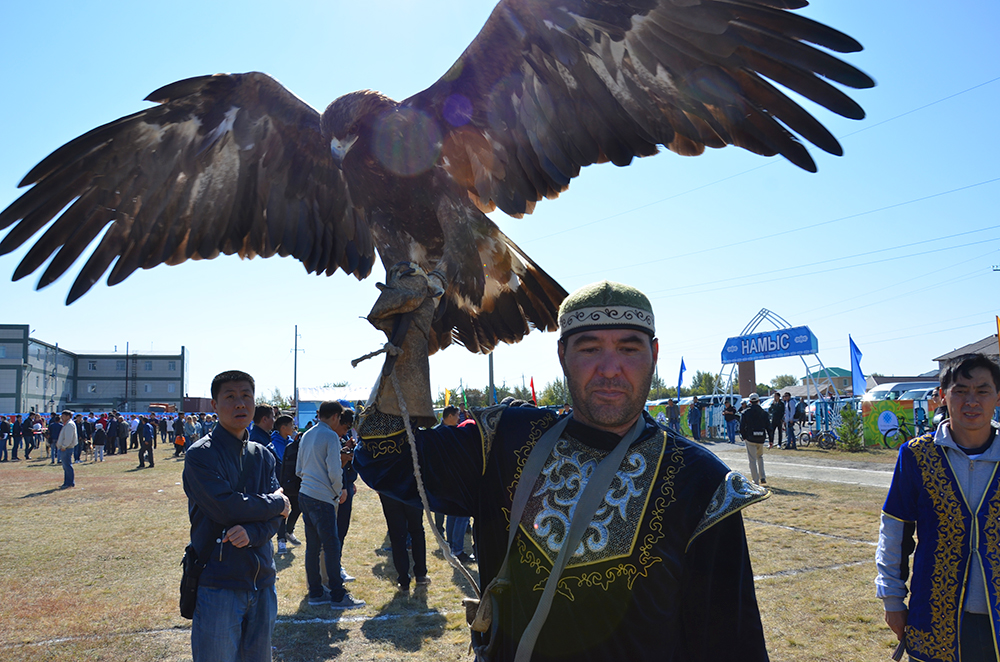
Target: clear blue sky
894, 243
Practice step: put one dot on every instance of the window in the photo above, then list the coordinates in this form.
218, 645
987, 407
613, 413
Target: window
3, 351
171, 365
120, 365
147, 388
91, 388
37, 384
91, 365
171, 387
149, 365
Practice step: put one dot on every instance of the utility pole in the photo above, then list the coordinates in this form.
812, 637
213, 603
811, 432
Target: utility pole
295, 375
491, 398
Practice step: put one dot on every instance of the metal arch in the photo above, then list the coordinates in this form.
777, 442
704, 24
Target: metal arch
779, 322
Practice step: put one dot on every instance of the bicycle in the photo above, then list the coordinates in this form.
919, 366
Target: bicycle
824, 439
895, 437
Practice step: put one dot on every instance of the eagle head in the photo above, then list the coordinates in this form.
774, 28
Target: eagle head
350, 116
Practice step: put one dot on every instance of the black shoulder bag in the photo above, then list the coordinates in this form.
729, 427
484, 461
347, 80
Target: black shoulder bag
191, 564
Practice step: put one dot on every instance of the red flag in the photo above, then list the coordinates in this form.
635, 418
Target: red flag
533, 398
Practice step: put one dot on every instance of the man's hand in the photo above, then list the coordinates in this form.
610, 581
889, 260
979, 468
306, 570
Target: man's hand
343, 495
288, 504
237, 535
896, 620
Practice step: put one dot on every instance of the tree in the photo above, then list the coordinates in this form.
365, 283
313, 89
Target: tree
784, 381
704, 383
849, 432
763, 390
658, 389
336, 384
276, 399
554, 393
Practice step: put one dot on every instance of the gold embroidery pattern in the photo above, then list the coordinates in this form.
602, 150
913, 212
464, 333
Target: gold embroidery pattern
946, 576
991, 534
671, 462
380, 447
538, 428
488, 418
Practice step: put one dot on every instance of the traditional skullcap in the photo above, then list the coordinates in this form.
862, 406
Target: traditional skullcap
606, 305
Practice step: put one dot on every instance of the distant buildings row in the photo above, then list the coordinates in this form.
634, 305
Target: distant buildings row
43, 377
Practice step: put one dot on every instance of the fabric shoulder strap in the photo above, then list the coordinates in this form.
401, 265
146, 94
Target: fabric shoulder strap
589, 501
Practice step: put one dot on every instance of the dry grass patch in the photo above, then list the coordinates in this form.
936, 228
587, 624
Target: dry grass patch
91, 573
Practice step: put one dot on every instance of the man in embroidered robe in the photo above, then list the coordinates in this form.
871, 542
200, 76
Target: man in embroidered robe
662, 571
946, 490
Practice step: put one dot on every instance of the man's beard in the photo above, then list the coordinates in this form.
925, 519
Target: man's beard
609, 416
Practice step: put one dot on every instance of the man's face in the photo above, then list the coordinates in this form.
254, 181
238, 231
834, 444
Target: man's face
64, 419
971, 401
267, 423
608, 373
287, 430
235, 407
786, 397
450, 420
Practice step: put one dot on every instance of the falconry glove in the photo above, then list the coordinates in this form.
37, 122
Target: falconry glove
404, 312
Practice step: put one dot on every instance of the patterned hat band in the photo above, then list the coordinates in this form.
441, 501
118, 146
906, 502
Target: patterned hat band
606, 317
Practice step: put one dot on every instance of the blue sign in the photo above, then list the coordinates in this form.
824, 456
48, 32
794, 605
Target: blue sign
772, 345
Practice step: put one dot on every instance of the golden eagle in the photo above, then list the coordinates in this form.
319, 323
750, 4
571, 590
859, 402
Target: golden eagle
235, 163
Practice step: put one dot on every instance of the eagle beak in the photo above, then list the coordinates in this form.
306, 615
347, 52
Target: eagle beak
340, 148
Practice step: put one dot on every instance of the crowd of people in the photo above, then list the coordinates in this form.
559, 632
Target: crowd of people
72, 438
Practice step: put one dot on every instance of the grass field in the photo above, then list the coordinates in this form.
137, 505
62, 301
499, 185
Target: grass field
91, 573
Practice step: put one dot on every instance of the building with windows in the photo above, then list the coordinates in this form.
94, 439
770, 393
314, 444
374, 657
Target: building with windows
44, 377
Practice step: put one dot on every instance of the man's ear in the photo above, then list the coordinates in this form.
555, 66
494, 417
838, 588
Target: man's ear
561, 349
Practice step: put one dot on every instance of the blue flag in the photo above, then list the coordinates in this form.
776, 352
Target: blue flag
857, 377
680, 378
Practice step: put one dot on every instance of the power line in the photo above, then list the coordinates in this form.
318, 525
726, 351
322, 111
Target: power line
749, 170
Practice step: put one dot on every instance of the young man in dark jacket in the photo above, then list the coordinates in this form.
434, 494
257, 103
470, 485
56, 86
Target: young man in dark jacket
235, 506
754, 427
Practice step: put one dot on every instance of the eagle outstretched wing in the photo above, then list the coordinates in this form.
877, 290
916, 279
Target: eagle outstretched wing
224, 164
549, 87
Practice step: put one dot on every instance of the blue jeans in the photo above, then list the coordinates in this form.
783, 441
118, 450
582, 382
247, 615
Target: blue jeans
3, 450
233, 625
455, 528
790, 434
731, 430
320, 519
66, 457
55, 452
695, 426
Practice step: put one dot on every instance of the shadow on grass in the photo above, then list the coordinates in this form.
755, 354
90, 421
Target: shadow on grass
42, 493
320, 641
405, 621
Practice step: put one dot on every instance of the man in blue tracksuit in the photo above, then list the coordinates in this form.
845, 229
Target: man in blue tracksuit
235, 506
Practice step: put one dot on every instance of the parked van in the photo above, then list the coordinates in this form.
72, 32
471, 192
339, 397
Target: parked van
894, 390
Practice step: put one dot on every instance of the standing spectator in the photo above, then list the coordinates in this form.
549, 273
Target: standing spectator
694, 418
405, 520
290, 483
673, 412
732, 420
449, 418
111, 431
282, 433
28, 430
66, 442
100, 439
190, 432
4, 437
777, 411
790, 406
177, 434
133, 427
146, 434
348, 440
235, 505
946, 488
319, 466
753, 428
54, 428
124, 432
82, 435
263, 424
18, 434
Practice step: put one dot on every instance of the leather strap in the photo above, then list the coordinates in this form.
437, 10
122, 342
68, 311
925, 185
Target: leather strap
589, 501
